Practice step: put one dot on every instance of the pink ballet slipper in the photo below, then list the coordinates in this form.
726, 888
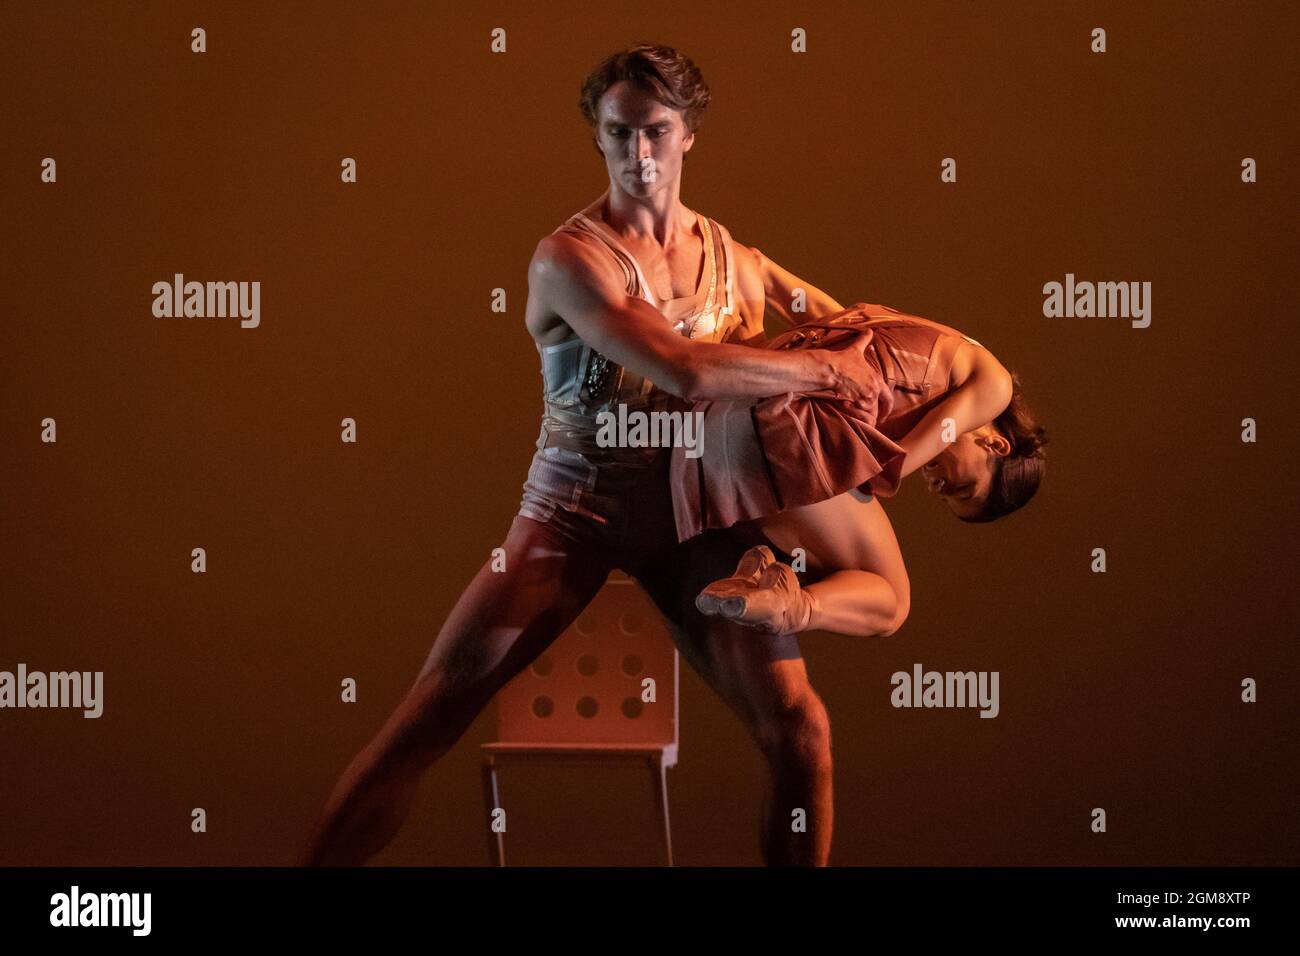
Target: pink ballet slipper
773, 602
712, 599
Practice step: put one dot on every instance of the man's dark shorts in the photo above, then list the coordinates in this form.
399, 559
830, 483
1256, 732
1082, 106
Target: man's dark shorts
621, 515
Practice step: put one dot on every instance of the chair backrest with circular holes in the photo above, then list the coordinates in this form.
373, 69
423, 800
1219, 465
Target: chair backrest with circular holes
589, 686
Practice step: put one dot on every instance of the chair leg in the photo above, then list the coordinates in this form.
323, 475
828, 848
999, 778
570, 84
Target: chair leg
492, 797
659, 781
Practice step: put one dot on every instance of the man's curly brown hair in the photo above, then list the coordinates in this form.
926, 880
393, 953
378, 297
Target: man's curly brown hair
669, 76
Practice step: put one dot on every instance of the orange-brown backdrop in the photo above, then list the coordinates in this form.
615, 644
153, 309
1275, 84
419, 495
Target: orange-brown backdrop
1118, 690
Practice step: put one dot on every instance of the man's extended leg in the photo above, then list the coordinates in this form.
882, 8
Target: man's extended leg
502, 622
764, 680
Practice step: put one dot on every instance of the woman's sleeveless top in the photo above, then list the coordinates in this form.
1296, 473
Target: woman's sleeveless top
787, 451
579, 382
914, 356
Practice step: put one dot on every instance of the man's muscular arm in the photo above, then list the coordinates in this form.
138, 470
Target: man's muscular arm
780, 286
569, 279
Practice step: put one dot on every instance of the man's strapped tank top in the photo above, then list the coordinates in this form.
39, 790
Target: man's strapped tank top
579, 382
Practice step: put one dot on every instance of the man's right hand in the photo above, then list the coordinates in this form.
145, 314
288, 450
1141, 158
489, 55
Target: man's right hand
571, 279
857, 379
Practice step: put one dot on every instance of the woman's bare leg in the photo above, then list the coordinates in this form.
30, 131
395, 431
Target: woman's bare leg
860, 589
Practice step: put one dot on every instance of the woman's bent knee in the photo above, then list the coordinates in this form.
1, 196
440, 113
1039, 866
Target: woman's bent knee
897, 621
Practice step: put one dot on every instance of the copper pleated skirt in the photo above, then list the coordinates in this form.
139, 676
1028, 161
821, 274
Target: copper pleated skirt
763, 457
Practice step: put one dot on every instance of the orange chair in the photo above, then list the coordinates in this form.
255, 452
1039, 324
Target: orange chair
581, 701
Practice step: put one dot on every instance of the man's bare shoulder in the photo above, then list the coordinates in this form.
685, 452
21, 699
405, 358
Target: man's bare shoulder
562, 257
747, 257
560, 249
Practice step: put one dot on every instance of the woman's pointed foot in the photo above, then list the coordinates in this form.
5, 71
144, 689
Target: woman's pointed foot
726, 596
775, 604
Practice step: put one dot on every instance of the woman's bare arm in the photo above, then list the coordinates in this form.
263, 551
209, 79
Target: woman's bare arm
981, 397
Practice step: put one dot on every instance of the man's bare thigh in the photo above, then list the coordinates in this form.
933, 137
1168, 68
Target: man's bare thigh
757, 674
507, 616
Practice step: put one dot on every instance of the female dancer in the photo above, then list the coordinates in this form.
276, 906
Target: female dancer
803, 471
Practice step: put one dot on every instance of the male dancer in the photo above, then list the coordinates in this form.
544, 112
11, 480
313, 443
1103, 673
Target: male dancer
612, 311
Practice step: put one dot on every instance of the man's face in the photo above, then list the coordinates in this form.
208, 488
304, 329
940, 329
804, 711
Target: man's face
643, 141
962, 474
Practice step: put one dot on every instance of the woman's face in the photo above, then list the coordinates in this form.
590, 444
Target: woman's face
962, 474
